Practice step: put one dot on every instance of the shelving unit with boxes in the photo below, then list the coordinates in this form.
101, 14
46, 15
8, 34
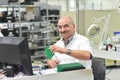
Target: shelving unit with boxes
35, 29
32, 21
52, 17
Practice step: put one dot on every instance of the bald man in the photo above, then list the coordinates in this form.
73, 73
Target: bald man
72, 47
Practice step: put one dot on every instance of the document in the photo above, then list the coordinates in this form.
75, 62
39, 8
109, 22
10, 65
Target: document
48, 71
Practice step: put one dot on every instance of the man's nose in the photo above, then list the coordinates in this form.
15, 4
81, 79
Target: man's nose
62, 29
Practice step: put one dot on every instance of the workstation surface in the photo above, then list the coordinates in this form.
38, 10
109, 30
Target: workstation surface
111, 73
106, 54
83, 74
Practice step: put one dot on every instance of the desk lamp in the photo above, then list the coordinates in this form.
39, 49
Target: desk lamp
94, 29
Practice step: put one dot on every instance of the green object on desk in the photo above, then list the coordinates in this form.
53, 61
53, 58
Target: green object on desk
63, 67
48, 53
69, 66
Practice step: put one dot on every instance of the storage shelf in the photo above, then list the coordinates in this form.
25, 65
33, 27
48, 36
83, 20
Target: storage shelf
39, 38
37, 56
33, 31
21, 6
30, 22
37, 47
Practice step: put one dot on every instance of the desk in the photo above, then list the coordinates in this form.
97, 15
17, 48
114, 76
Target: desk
111, 55
83, 74
106, 54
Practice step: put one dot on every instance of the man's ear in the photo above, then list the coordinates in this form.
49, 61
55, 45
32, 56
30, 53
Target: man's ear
73, 25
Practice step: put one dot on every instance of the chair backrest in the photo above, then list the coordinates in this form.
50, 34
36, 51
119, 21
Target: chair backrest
99, 69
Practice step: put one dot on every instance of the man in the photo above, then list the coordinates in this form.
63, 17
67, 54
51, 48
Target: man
72, 47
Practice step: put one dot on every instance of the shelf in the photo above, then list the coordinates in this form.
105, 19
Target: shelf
32, 21
10, 6
45, 30
39, 38
37, 56
17, 5
36, 47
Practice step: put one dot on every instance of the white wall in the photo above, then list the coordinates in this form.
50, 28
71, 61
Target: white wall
86, 4
62, 3
101, 4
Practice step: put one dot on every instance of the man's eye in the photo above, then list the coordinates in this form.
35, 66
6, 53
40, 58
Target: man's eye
59, 26
66, 25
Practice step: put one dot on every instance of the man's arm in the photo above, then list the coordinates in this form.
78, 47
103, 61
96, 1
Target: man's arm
79, 54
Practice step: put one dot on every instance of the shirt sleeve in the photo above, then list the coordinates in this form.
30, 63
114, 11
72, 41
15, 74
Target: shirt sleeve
85, 45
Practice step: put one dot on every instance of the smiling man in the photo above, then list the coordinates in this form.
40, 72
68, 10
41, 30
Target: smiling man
72, 47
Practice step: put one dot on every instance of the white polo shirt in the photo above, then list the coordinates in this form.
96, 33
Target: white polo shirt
78, 42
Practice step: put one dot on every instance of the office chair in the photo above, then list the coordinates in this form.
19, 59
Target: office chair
99, 69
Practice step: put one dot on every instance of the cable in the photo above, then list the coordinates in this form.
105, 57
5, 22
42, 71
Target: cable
109, 71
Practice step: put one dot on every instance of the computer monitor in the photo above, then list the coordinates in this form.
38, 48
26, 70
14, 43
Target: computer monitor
14, 50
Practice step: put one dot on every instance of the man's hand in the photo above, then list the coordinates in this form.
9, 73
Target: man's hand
52, 63
55, 48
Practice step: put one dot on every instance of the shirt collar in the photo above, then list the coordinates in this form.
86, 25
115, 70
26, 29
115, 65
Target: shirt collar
69, 40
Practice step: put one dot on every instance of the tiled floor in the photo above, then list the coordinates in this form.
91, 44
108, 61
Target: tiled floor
113, 74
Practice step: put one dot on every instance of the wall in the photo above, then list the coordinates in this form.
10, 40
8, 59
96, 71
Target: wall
114, 24
72, 14
87, 17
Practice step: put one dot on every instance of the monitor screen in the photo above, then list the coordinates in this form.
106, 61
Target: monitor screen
14, 50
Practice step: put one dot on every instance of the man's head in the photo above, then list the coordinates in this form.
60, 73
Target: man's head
66, 27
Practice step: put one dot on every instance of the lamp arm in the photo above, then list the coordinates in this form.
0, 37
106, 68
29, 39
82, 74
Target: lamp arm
104, 34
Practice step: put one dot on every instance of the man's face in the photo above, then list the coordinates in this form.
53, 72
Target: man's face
65, 28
